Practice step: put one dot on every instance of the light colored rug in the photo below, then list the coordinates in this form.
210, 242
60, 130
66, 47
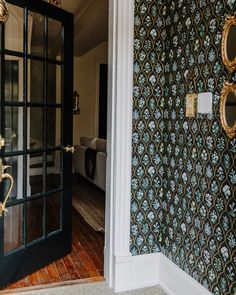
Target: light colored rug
89, 201
93, 289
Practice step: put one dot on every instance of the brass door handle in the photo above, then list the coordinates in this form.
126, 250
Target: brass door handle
69, 149
6, 176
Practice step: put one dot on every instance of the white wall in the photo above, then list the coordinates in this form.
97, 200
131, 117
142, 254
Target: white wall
86, 82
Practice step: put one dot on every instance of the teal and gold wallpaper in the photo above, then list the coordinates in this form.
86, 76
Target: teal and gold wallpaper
184, 169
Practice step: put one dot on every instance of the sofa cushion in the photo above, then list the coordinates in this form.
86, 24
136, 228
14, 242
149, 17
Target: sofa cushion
88, 142
101, 145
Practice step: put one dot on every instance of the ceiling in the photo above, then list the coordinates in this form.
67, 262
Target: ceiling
72, 5
91, 23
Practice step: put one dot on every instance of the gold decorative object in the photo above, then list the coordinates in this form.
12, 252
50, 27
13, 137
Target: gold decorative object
190, 104
4, 13
228, 48
76, 104
228, 109
69, 149
8, 176
55, 2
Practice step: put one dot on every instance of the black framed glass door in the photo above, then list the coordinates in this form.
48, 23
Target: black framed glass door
36, 123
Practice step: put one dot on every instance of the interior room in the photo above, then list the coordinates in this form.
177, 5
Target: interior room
118, 147
89, 135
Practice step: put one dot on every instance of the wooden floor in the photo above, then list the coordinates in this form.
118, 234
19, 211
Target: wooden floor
84, 262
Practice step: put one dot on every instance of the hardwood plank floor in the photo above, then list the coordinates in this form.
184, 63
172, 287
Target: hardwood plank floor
84, 262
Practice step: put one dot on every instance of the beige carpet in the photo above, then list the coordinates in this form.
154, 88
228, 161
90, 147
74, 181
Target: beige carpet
89, 201
93, 289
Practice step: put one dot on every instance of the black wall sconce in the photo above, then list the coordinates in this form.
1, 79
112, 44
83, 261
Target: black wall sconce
76, 106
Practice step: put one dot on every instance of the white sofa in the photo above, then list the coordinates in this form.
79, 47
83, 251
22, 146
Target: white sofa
79, 160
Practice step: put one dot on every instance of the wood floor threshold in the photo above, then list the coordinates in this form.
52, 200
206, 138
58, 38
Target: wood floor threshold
53, 285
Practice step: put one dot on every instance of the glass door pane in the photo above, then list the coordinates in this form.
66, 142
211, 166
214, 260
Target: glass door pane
13, 78
33, 105
13, 229
14, 128
36, 24
14, 29
36, 81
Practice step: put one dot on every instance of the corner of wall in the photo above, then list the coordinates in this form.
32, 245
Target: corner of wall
174, 281
135, 272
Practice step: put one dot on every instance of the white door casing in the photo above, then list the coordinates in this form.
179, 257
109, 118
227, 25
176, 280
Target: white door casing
119, 139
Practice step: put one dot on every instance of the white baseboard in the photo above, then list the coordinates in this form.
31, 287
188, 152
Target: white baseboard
174, 281
135, 272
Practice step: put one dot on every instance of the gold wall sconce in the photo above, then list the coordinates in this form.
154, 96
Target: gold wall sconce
4, 12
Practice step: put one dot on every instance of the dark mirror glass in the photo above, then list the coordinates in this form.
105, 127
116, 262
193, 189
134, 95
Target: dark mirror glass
231, 48
230, 109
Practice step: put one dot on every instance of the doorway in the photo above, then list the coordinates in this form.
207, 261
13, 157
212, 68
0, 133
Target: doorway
44, 158
119, 142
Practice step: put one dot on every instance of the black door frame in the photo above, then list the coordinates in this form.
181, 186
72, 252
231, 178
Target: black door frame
30, 258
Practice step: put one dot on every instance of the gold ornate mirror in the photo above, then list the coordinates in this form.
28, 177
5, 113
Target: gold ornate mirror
228, 48
4, 14
228, 109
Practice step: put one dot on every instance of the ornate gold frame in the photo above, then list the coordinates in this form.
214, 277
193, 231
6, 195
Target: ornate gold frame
228, 87
231, 65
4, 13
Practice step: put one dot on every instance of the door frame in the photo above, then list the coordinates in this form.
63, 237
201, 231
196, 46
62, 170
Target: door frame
119, 140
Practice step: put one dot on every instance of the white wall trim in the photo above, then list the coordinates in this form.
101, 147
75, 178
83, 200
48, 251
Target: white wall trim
119, 141
154, 269
136, 272
123, 271
177, 282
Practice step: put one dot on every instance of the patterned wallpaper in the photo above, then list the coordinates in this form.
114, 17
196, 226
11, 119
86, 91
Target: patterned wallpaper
184, 170
148, 127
